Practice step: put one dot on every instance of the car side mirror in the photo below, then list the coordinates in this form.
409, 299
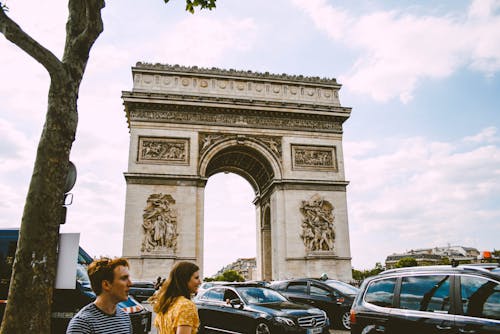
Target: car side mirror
236, 302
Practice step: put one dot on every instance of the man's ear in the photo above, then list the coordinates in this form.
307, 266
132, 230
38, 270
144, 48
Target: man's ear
106, 285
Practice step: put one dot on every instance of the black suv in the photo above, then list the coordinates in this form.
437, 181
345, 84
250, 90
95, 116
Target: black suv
142, 290
437, 299
332, 296
250, 308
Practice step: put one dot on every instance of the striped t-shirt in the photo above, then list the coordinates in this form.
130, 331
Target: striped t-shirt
92, 320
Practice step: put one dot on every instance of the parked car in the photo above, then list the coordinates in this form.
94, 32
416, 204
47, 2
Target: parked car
332, 296
251, 308
142, 290
436, 299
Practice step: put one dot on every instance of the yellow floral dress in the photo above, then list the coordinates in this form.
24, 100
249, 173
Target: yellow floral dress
182, 312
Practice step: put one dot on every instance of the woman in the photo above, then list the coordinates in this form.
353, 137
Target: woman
175, 312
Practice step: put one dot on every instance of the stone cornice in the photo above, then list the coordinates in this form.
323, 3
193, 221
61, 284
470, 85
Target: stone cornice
153, 98
242, 86
162, 179
233, 73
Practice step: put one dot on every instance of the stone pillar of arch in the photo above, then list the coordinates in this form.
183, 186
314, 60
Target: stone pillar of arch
282, 133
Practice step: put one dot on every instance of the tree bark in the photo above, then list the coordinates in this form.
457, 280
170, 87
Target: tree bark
30, 295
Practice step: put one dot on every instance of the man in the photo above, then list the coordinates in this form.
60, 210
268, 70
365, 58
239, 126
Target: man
110, 280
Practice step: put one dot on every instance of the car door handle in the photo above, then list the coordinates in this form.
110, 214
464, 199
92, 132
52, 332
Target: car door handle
466, 331
443, 327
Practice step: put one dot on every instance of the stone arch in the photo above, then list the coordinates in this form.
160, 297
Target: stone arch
244, 157
282, 133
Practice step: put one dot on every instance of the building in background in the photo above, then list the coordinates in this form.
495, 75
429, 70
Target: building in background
245, 266
436, 255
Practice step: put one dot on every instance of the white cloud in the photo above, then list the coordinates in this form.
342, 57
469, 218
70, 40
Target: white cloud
422, 194
488, 135
399, 49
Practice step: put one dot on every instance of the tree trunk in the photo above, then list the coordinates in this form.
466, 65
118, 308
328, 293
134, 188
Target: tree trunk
33, 276
30, 297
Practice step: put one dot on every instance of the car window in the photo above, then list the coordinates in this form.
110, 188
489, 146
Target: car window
214, 295
480, 297
381, 292
318, 290
297, 287
230, 294
425, 293
344, 288
254, 295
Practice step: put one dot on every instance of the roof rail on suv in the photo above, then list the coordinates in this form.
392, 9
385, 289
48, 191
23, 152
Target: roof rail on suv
483, 268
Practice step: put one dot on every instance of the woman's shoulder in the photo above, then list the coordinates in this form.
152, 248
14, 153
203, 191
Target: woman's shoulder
182, 301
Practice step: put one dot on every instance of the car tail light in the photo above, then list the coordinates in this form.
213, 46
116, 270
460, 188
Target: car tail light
352, 317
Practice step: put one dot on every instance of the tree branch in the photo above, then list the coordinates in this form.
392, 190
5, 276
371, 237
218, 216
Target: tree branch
16, 35
83, 28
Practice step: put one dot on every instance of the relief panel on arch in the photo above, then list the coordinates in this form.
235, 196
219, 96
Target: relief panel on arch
159, 226
308, 157
163, 150
318, 230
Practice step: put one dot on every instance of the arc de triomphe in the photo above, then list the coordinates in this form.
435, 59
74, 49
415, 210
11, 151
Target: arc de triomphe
282, 133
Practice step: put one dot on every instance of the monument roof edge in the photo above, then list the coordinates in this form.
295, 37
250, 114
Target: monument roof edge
214, 71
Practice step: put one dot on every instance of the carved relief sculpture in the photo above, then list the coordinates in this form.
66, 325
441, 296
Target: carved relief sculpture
168, 150
314, 157
159, 224
207, 140
317, 225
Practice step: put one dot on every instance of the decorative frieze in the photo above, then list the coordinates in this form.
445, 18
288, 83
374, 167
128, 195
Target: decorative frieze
208, 140
163, 150
314, 157
159, 225
318, 232
238, 120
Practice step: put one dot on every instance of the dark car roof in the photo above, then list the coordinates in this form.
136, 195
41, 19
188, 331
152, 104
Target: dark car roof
298, 280
243, 284
303, 279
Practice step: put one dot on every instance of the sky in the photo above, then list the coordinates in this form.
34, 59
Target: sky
421, 148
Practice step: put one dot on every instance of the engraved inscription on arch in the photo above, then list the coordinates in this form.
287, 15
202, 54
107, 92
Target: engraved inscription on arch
314, 157
163, 150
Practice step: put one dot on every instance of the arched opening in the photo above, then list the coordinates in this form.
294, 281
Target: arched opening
252, 164
266, 248
229, 222
244, 161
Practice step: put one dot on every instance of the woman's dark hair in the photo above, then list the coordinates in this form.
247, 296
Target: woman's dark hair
175, 286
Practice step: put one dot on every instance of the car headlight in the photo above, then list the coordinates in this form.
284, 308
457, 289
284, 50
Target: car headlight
285, 321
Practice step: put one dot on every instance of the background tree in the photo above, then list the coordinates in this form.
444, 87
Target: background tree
230, 276
360, 275
406, 262
29, 305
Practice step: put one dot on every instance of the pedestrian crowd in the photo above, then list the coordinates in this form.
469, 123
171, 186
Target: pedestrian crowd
110, 280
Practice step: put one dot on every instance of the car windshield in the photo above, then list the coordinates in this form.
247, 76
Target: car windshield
344, 288
256, 295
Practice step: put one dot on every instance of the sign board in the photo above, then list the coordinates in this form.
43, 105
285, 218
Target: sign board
67, 259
